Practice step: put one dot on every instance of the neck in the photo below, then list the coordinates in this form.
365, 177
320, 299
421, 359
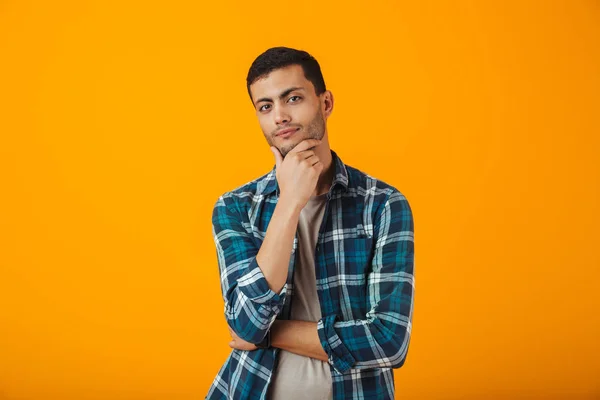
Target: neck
326, 177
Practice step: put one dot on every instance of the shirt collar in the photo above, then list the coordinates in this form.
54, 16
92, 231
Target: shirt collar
340, 178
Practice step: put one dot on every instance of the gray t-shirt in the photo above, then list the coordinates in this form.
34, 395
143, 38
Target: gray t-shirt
298, 377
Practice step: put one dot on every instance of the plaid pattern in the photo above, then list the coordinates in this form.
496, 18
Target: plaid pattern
365, 282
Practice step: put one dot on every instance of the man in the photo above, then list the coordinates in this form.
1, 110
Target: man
315, 257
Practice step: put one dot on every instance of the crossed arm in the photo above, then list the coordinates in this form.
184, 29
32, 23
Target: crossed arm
379, 340
298, 337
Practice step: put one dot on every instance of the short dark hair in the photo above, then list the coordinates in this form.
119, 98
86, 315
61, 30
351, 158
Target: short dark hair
280, 57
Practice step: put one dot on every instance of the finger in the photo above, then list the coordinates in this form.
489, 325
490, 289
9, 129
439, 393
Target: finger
232, 344
305, 154
278, 156
312, 160
305, 145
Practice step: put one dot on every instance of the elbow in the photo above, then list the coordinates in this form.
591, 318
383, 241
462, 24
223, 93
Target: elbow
399, 362
400, 351
251, 329
394, 357
395, 350
251, 310
246, 332
253, 336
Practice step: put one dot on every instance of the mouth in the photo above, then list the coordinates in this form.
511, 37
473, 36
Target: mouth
286, 133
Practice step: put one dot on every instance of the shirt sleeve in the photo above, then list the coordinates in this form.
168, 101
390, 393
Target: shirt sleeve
250, 305
381, 339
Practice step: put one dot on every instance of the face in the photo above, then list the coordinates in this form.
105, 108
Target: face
286, 100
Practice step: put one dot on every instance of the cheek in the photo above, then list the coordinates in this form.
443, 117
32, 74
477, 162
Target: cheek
264, 124
306, 115
266, 130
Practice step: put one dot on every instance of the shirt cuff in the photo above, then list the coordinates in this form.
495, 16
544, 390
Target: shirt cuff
339, 355
255, 286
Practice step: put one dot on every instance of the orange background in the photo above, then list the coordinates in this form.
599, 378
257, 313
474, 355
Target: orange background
122, 122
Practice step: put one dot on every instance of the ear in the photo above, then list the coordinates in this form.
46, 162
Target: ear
327, 103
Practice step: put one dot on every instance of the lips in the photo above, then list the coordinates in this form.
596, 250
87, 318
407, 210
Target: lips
285, 132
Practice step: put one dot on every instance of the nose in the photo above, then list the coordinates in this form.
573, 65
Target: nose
281, 116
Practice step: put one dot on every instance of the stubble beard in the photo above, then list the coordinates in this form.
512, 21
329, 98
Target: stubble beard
315, 130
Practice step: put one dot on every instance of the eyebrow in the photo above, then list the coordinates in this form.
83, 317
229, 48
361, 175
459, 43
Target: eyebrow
281, 96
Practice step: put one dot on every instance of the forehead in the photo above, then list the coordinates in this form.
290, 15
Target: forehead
279, 80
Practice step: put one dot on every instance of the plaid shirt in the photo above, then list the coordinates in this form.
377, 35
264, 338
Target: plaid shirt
364, 263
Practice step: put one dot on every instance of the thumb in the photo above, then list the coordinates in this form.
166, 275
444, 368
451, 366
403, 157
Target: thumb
278, 157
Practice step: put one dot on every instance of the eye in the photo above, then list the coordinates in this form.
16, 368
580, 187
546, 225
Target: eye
295, 97
262, 107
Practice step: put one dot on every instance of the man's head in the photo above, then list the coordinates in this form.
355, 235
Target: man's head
288, 92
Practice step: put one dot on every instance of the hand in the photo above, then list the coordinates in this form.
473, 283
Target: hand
239, 344
298, 173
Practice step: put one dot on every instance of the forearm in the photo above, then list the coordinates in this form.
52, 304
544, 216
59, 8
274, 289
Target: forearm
381, 338
253, 279
274, 254
299, 337
377, 342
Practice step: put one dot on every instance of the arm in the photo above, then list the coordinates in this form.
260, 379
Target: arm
381, 339
253, 279
298, 337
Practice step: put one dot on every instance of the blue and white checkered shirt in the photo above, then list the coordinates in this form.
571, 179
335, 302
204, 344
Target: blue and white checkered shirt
364, 263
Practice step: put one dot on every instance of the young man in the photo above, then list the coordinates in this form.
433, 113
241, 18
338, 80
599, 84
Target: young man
316, 258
